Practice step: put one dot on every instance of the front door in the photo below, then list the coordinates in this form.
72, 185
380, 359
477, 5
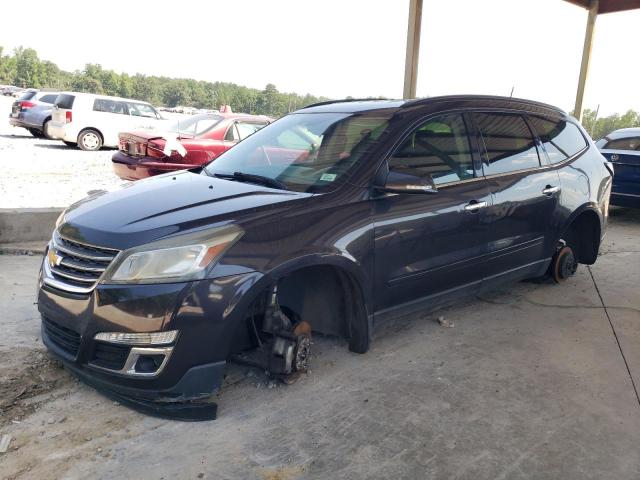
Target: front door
428, 244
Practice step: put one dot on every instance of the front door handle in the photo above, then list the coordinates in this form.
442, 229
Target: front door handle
474, 206
549, 190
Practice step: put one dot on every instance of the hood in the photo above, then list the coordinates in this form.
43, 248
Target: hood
143, 211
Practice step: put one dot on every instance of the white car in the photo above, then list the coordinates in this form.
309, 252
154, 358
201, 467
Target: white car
92, 121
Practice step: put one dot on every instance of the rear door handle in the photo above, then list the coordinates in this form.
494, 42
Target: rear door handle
474, 206
549, 190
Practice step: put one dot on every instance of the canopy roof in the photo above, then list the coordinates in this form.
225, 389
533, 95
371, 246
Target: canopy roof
609, 6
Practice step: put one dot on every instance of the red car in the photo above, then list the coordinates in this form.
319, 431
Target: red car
189, 143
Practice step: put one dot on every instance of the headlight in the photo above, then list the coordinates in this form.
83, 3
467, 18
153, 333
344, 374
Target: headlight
151, 338
179, 258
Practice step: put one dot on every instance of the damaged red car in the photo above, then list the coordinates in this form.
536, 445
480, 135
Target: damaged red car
189, 143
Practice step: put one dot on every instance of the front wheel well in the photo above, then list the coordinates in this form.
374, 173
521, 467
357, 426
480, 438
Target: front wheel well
329, 298
583, 236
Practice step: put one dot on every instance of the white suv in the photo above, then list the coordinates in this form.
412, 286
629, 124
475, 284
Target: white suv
92, 121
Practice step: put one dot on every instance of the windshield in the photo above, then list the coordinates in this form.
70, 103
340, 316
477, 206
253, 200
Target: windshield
306, 152
195, 125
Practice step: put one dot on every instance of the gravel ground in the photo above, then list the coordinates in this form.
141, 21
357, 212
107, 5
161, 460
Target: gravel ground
39, 173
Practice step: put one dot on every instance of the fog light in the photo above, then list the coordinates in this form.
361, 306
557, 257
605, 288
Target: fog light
148, 338
149, 363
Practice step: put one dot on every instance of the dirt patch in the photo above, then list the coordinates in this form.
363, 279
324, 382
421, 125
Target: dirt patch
27, 379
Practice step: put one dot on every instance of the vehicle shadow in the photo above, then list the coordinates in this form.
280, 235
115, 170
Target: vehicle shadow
14, 137
57, 147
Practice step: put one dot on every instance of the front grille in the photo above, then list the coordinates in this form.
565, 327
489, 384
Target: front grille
107, 355
77, 267
62, 337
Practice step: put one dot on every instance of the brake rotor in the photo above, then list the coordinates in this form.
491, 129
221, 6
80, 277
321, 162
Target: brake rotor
565, 265
301, 353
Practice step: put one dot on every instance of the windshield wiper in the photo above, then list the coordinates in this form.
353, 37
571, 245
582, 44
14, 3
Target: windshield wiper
252, 178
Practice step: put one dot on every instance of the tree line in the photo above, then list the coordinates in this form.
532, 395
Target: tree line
23, 68
599, 127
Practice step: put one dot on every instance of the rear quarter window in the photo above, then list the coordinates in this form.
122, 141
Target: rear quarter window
65, 101
561, 139
27, 96
109, 106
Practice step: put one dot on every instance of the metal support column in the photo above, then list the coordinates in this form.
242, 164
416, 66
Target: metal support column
413, 47
586, 58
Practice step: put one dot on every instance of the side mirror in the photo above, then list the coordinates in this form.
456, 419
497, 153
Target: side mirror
405, 183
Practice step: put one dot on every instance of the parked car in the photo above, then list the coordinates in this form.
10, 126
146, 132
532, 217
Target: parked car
326, 220
33, 111
142, 154
94, 121
12, 91
622, 149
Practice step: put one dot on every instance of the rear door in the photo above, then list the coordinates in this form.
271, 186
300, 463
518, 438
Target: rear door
525, 192
110, 117
624, 153
430, 244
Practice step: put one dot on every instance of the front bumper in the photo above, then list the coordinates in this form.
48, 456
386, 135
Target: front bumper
137, 168
206, 313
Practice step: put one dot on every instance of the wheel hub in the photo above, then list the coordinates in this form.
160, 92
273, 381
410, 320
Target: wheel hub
565, 264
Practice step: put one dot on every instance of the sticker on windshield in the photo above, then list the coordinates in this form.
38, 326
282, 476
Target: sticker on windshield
328, 177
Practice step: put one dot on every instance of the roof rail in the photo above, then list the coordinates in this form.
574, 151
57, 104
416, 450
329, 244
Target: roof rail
345, 100
418, 101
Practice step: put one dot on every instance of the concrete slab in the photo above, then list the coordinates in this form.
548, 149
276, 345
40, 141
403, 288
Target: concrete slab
27, 224
529, 383
617, 274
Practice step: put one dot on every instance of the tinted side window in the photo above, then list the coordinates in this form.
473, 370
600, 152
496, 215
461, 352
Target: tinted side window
561, 139
27, 95
508, 141
439, 148
141, 110
49, 98
108, 106
629, 143
65, 101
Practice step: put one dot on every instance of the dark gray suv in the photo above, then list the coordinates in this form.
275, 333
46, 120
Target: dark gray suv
324, 221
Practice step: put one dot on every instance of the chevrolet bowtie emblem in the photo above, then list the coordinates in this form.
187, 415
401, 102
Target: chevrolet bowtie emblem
54, 258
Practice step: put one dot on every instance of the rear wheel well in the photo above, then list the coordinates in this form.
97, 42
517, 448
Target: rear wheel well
583, 236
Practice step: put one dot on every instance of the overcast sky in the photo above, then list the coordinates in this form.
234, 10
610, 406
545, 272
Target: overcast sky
345, 47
